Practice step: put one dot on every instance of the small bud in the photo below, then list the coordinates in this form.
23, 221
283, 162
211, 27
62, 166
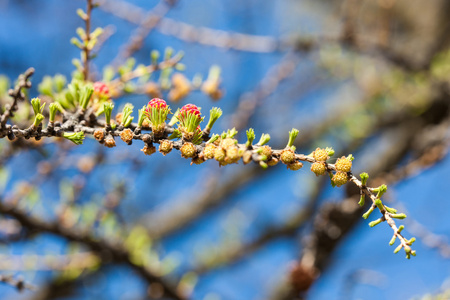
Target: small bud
37, 120
287, 156
127, 136
376, 222
217, 141
340, 178
320, 154
146, 124
188, 150
392, 241
53, 108
148, 149
232, 155
214, 115
265, 138
368, 212
37, 107
398, 216
231, 133
208, 152
220, 154
292, 136
76, 137
343, 164
295, 166
126, 115
153, 90
197, 160
154, 55
362, 200
330, 151
318, 168
110, 142
390, 209
181, 87
119, 118
227, 143
141, 117
380, 190
379, 204
266, 151
85, 96
213, 139
272, 162
247, 157
263, 164
99, 135
364, 177
107, 108
250, 137
211, 85
165, 147
176, 134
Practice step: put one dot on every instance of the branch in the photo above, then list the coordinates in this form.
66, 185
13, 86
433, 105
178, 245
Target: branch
86, 57
146, 24
192, 145
164, 222
226, 256
19, 283
103, 248
17, 95
188, 33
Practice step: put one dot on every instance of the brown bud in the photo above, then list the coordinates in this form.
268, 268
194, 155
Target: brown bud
181, 87
127, 136
247, 157
99, 135
152, 90
165, 146
211, 88
145, 123
274, 161
296, 165
159, 130
197, 160
110, 142
119, 118
86, 164
302, 278
148, 149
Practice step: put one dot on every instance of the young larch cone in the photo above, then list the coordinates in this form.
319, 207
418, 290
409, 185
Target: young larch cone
320, 154
343, 164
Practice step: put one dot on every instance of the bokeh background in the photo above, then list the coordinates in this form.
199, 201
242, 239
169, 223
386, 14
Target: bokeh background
365, 77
